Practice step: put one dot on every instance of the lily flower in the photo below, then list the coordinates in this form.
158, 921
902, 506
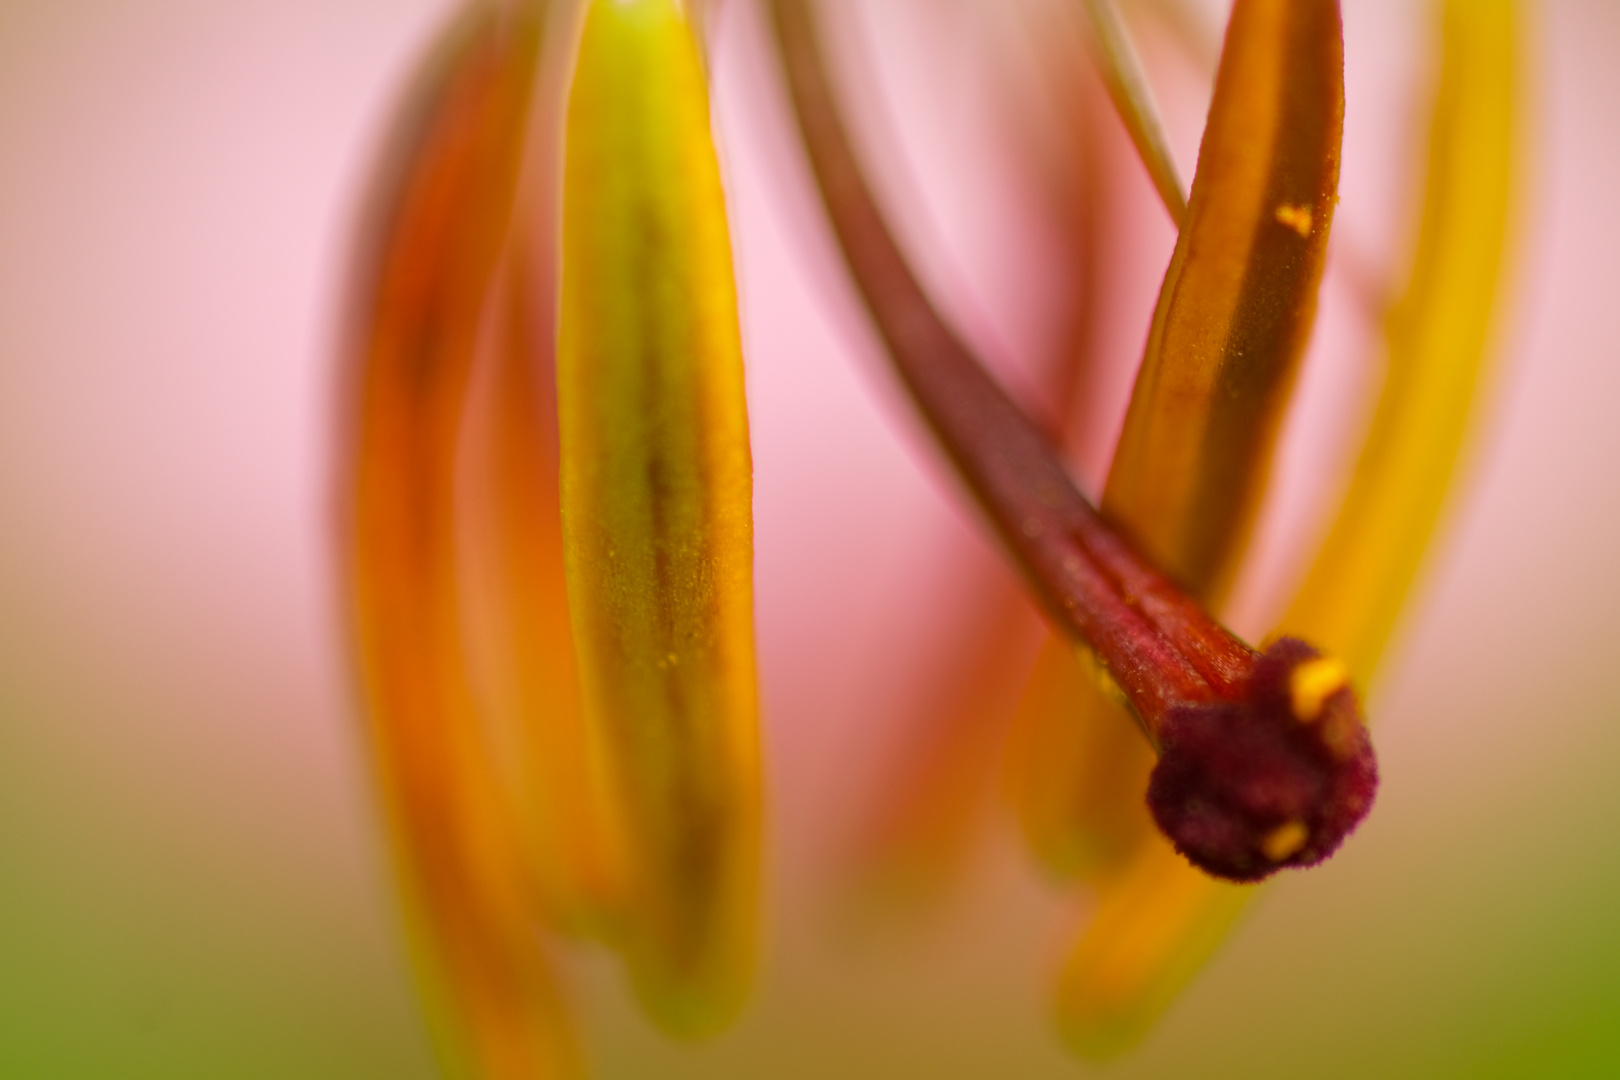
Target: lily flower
550, 524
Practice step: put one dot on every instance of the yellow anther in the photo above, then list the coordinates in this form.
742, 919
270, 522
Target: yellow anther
1284, 840
1313, 682
656, 490
1297, 218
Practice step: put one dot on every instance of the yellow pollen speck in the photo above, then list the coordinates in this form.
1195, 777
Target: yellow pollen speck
1297, 218
1284, 840
1312, 683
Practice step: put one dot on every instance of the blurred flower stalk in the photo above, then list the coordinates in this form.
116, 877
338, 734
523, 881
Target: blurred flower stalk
549, 524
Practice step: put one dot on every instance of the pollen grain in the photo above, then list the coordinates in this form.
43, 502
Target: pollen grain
1297, 218
1285, 840
1312, 683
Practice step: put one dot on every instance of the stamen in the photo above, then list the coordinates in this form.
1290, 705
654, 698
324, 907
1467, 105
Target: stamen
1360, 274
1235, 764
656, 496
1238, 300
441, 221
1128, 87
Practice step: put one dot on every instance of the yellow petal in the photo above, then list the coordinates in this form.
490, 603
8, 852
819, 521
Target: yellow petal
1437, 338
656, 501
433, 250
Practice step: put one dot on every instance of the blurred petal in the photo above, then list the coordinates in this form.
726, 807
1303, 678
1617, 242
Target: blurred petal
656, 501
914, 841
1077, 768
1157, 923
1437, 338
443, 218
524, 654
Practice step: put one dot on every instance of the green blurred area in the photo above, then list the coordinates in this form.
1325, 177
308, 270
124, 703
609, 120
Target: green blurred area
1470, 932
155, 925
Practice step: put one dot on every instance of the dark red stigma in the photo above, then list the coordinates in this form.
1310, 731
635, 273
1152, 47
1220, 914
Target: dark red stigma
1278, 778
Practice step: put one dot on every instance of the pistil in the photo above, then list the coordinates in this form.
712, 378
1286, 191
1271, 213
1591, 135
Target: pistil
1244, 784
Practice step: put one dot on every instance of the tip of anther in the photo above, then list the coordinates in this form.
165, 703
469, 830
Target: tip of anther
1278, 779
